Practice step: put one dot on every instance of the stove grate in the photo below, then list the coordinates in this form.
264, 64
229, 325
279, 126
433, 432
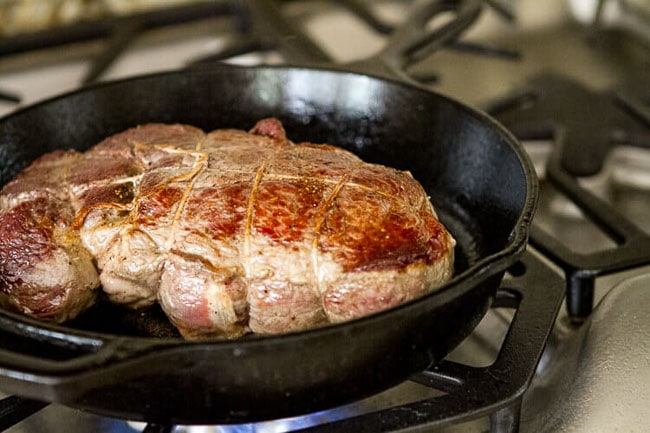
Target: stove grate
582, 141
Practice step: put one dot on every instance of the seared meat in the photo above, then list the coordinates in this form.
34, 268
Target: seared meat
229, 231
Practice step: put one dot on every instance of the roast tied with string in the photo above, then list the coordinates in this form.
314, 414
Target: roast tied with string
230, 232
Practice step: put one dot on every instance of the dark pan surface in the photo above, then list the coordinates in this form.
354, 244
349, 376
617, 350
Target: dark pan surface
478, 177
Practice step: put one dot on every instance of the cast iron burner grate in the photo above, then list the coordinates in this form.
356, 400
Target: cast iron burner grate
584, 126
258, 26
118, 32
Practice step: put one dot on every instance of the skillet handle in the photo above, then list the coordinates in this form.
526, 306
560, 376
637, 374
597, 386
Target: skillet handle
37, 349
416, 38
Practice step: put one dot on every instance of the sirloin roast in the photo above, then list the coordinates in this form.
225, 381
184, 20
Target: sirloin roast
230, 231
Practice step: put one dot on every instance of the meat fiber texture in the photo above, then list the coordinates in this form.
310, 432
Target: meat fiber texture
230, 231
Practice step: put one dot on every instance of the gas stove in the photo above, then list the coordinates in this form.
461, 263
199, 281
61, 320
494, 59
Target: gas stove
568, 78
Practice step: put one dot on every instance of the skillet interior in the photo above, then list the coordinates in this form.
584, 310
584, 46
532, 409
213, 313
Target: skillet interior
478, 179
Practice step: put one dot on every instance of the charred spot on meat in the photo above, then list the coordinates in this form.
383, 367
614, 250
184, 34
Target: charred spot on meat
229, 231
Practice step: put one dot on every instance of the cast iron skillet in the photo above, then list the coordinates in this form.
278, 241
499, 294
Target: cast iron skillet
477, 175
